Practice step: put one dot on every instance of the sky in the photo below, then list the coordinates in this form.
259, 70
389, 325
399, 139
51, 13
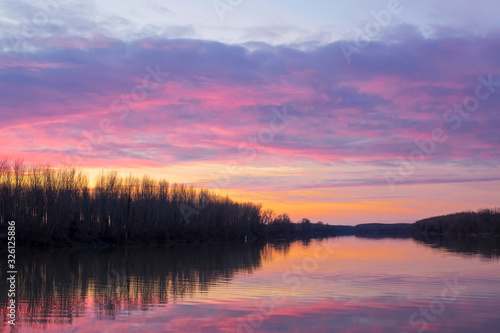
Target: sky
341, 112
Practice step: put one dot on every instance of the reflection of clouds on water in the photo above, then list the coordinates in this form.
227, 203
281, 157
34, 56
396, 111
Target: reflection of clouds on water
363, 316
363, 285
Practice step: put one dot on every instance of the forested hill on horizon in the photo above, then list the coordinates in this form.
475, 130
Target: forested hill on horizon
484, 222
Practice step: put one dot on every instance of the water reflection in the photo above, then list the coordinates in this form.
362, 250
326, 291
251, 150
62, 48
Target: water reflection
59, 285
359, 285
487, 247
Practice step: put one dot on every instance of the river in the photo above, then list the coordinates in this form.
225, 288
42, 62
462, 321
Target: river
343, 284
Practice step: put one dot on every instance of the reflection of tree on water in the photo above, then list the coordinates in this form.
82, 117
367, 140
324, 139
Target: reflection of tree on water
59, 285
487, 247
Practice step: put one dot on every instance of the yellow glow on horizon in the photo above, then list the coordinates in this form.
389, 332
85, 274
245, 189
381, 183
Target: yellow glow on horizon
333, 205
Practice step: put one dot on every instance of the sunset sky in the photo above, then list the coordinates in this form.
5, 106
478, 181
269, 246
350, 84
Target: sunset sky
340, 111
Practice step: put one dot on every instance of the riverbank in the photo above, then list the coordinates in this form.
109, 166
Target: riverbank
269, 233
483, 223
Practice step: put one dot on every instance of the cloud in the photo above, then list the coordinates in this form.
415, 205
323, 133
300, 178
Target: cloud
220, 96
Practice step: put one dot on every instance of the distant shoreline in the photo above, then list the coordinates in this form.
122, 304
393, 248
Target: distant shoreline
483, 223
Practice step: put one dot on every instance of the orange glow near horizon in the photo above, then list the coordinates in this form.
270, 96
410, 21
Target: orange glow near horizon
344, 205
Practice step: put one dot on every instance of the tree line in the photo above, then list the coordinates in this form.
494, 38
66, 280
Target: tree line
482, 222
59, 206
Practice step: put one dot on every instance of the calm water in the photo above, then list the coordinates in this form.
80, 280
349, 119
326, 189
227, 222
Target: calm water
344, 284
